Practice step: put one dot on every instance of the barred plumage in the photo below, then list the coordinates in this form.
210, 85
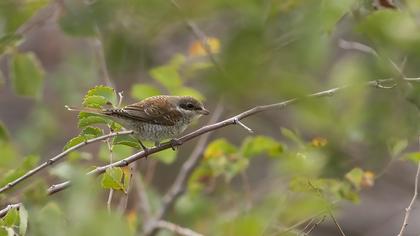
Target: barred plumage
155, 118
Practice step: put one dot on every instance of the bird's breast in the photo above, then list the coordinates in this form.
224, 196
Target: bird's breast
154, 132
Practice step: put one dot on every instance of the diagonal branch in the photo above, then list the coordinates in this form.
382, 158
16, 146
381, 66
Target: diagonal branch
230, 121
413, 199
176, 228
58, 157
208, 128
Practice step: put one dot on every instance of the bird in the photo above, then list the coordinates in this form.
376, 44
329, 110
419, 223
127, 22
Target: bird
154, 118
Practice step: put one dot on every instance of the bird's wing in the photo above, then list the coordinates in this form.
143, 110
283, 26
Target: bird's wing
155, 110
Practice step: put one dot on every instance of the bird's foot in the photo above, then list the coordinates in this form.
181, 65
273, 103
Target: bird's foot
175, 143
145, 149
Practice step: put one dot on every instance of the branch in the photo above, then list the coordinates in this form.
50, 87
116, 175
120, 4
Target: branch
176, 228
101, 60
230, 121
413, 200
208, 128
200, 36
8, 208
58, 157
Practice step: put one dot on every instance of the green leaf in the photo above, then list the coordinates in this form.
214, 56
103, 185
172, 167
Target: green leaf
27, 75
235, 167
86, 119
94, 101
413, 156
11, 218
103, 91
4, 134
186, 91
292, 136
126, 140
28, 163
23, 220
219, 148
9, 40
332, 11
168, 76
142, 91
167, 156
346, 192
112, 178
355, 176
253, 146
7, 231
91, 132
398, 147
74, 141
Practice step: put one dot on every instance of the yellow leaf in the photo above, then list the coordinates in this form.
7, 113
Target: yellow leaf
198, 49
319, 142
132, 220
368, 179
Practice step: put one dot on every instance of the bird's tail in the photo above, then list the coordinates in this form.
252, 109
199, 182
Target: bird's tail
87, 110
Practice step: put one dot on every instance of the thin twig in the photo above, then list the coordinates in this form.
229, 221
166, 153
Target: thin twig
200, 36
150, 171
336, 222
122, 206
247, 190
9, 207
176, 228
100, 57
244, 126
329, 210
111, 191
315, 225
144, 205
58, 157
413, 199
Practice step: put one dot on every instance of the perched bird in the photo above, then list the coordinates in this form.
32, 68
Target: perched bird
155, 118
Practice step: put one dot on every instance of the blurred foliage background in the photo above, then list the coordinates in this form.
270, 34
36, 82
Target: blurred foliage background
343, 155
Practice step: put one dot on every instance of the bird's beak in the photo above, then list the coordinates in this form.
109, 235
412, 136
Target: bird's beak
203, 111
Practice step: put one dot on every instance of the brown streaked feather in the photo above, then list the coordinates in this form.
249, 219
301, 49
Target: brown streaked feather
153, 110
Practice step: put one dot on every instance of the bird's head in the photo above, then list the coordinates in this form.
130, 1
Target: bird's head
190, 106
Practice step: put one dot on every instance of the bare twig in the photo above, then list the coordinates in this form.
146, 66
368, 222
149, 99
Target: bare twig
336, 222
144, 205
58, 157
413, 199
315, 225
111, 191
100, 57
244, 126
4, 211
176, 228
150, 171
329, 210
247, 190
43, 15
200, 36
122, 206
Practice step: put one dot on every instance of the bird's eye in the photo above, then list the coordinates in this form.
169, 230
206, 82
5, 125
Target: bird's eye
190, 106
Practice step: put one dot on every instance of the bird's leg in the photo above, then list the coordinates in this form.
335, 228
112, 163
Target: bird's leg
145, 149
175, 143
